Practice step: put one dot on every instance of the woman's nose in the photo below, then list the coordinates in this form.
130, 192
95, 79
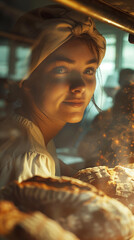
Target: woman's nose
77, 84
77, 89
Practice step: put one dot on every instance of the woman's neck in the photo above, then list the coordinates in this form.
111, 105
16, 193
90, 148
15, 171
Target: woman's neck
48, 127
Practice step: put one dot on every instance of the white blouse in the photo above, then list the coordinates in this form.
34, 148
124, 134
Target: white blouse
27, 155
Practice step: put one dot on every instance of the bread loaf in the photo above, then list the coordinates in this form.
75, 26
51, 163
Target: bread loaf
9, 217
77, 206
15, 225
116, 182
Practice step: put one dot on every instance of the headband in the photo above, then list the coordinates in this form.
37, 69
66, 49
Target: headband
50, 27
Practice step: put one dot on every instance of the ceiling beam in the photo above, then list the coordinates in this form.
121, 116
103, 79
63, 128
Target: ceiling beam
102, 12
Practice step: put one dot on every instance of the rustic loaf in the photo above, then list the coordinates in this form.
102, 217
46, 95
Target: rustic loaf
9, 217
117, 182
77, 206
15, 225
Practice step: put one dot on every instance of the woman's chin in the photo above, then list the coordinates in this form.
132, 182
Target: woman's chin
75, 119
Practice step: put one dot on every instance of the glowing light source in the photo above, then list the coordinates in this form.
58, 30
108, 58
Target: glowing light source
117, 141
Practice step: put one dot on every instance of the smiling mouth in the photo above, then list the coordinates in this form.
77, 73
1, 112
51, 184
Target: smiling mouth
74, 103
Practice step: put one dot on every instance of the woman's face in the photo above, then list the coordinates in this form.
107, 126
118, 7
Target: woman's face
65, 82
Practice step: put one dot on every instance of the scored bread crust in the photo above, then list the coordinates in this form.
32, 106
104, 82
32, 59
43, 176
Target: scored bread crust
117, 182
77, 206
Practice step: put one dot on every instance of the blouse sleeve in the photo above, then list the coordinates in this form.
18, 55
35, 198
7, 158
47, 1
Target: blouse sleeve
26, 166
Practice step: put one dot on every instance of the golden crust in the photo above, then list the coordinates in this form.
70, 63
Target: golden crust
116, 182
9, 217
15, 225
79, 207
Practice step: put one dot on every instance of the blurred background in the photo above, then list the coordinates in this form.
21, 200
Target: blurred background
119, 55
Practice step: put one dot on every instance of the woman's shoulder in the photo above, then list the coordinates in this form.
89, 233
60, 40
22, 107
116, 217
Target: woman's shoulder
19, 135
23, 152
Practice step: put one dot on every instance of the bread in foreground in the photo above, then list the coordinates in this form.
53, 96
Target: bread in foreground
15, 225
117, 182
77, 206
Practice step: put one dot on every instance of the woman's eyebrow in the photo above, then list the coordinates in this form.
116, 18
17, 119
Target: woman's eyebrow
60, 58
93, 60
68, 60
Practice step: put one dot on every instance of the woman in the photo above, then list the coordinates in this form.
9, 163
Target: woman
66, 53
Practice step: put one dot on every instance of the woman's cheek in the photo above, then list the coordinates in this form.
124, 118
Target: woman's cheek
54, 93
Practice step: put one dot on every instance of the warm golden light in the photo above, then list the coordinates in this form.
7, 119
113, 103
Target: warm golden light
74, 5
117, 141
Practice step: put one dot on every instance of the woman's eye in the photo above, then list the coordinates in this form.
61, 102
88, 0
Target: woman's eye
60, 70
90, 71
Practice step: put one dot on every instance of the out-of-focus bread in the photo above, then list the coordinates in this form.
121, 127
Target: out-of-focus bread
9, 217
116, 182
39, 227
15, 225
77, 206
